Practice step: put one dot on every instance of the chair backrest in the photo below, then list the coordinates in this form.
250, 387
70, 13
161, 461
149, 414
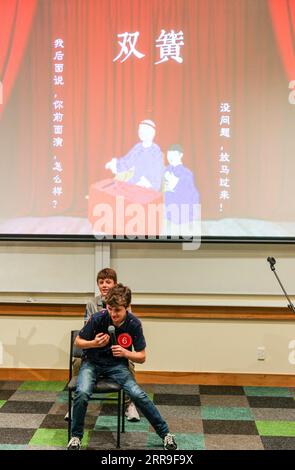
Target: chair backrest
74, 351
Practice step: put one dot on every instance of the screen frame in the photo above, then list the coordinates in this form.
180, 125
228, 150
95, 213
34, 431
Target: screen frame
144, 239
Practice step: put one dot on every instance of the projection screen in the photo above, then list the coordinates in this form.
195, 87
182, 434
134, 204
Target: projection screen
163, 119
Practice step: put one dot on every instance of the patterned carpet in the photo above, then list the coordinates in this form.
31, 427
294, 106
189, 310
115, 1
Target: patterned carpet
201, 417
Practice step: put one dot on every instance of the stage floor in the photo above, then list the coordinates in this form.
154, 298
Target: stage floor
201, 417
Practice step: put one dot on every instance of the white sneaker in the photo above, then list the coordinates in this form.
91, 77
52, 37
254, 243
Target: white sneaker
74, 444
169, 442
132, 413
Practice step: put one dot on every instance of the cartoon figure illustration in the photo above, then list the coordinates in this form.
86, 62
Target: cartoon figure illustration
180, 193
143, 164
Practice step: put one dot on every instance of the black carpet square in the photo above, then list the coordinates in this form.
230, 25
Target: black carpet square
221, 390
176, 400
37, 407
54, 422
109, 409
271, 402
212, 426
134, 440
9, 385
180, 412
58, 422
278, 443
182, 389
102, 440
16, 436
6, 394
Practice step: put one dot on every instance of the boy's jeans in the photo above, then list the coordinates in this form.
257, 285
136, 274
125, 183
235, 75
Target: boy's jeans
121, 374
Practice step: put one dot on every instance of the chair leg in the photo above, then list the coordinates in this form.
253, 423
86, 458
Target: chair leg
70, 415
119, 418
123, 412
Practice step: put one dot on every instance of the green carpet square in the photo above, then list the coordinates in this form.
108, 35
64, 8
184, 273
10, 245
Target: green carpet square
110, 423
154, 441
43, 386
12, 446
106, 397
55, 438
104, 423
2, 402
276, 428
267, 392
190, 441
63, 397
184, 441
50, 437
139, 426
233, 413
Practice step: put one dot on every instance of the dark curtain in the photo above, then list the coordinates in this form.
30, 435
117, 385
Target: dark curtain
283, 20
16, 17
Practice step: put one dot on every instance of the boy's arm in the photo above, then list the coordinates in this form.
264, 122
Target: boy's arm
100, 340
92, 307
134, 356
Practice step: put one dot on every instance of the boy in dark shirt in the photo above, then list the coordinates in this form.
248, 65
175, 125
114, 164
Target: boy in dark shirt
101, 358
106, 279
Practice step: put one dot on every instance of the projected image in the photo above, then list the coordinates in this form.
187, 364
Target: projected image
180, 193
128, 118
143, 165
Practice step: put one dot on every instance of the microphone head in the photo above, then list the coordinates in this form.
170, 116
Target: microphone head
271, 260
111, 329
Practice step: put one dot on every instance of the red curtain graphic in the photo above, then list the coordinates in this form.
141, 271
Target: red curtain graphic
224, 60
16, 19
283, 19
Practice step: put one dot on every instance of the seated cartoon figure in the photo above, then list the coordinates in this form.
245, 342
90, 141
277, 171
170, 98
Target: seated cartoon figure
181, 196
143, 164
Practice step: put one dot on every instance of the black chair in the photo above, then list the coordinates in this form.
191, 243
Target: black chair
103, 385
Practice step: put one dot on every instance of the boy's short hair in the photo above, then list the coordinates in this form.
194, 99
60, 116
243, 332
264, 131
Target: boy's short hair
176, 147
119, 296
107, 273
